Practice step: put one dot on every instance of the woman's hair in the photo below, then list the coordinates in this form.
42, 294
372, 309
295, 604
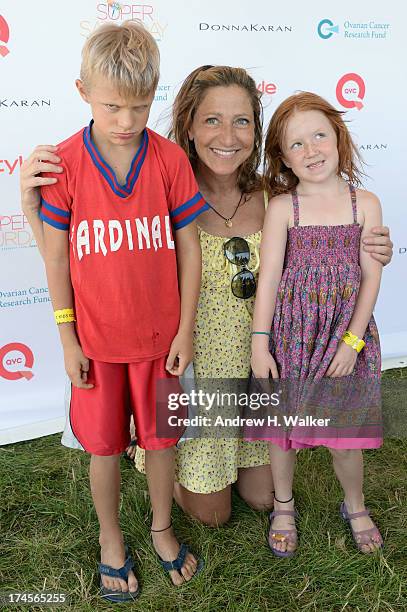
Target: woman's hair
190, 96
127, 55
280, 179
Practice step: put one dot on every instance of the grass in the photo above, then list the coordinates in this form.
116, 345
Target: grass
49, 536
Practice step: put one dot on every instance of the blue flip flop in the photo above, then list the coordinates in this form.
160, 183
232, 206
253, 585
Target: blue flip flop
123, 573
177, 564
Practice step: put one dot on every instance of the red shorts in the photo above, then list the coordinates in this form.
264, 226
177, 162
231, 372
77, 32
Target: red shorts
100, 417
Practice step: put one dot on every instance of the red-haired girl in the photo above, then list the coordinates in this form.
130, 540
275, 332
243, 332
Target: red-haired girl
316, 293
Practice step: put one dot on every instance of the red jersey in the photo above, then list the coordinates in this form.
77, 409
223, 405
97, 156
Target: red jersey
122, 253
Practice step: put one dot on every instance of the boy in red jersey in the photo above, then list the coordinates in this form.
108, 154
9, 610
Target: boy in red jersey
123, 259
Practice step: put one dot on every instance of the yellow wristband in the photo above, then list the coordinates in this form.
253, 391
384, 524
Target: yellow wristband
353, 341
66, 315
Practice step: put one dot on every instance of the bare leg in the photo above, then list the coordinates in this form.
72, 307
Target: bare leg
105, 487
160, 478
255, 486
283, 465
348, 466
212, 509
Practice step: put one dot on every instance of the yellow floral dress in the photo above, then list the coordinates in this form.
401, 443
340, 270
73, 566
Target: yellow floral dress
222, 350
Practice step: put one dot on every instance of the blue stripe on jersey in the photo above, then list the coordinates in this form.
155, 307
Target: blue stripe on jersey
61, 226
186, 205
123, 191
99, 165
54, 209
188, 220
140, 163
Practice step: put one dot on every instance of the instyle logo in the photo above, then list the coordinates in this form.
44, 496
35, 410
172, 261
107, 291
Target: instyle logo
15, 358
119, 11
267, 88
9, 166
326, 28
4, 37
351, 90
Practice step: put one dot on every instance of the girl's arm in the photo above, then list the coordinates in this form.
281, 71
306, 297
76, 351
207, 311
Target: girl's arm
345, 357
59, 282
30, 183
272, 253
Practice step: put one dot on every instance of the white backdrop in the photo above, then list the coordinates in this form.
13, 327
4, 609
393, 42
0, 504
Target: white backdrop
362, 46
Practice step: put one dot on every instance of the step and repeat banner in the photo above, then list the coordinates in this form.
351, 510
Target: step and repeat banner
351, 53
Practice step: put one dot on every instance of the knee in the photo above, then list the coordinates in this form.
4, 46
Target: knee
341, 453
213, 517
260, 503
210, 509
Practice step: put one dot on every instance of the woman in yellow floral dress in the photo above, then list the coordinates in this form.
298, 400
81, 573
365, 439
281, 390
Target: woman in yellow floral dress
217, 121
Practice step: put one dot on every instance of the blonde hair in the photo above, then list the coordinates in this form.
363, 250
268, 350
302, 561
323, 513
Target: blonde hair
127, 55
280, 179
190, 97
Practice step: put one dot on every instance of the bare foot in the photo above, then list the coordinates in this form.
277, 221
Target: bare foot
112, 553
362, 523
283, 542
167, 547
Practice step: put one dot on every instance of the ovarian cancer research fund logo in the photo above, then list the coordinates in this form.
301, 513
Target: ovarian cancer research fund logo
355, 30
327, 28
4, 37
16, 361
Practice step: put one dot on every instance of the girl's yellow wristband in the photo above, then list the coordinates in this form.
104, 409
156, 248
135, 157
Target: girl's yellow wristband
353, 341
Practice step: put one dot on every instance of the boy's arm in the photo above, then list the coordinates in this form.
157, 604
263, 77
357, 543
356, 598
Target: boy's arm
345, 358
30, 182
59, 282
35, 222
189, 280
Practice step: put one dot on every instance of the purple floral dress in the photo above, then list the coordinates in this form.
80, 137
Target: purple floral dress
315, 302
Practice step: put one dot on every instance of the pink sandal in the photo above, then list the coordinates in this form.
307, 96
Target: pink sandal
366, 536
282, 535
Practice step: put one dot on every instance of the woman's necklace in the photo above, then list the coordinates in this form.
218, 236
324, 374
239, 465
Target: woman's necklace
228, 220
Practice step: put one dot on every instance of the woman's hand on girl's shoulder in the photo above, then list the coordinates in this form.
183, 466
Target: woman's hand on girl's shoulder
43, 159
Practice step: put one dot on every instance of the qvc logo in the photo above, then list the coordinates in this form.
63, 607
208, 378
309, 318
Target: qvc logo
15, 358
351, 90
4, 36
